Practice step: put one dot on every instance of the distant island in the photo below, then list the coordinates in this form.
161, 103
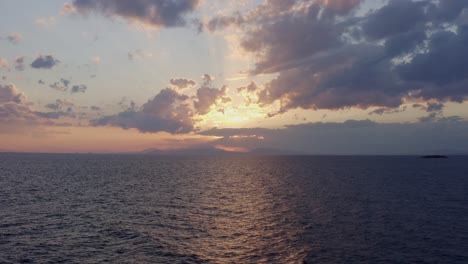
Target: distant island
434, 157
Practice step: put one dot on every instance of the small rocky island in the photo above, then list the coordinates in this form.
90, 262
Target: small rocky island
434, 157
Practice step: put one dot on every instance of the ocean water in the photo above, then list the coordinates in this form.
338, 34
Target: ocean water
302, 209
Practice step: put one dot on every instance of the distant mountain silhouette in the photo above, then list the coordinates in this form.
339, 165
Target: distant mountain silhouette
219, 152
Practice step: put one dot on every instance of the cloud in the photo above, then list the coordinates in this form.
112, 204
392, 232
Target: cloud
410, 15
435, 107
252, 87
340, 6
46, 22
96, 60
387, 110
10, 93
325, 54
154, 13
207, 97
60, 104
67, 9
4, 63
138, 54
44, 62
78, 88
19, 64
353, 137
167, 112
16, 113
182, 83
14, 38
61, 85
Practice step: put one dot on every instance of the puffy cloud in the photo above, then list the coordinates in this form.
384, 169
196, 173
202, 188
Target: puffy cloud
182, 83
207, 97
156, 13
167, 112
10, 93
78, 88
16, 112
44, 62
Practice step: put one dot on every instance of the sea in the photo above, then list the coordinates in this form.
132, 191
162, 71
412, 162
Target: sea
89, 208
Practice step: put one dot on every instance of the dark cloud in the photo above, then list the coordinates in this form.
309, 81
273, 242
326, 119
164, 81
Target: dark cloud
354, 137
382, 23
326, 56
443, 69
182, 83
167, 112
290, 39
41, 82
159, 13
78, 88
44, 62
96, 108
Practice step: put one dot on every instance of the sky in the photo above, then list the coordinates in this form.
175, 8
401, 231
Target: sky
317, 76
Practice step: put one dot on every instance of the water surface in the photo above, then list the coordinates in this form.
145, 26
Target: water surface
303, 209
